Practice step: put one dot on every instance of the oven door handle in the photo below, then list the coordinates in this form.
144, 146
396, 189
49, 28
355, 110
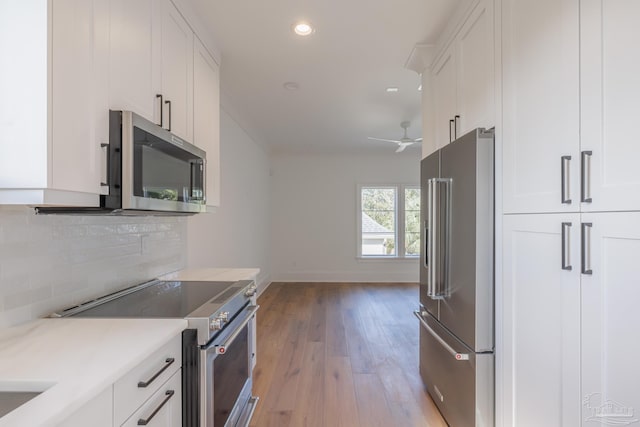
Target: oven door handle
222, 348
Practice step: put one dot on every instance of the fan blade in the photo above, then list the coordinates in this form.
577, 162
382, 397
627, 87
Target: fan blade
402, 146
385, 140
417, 140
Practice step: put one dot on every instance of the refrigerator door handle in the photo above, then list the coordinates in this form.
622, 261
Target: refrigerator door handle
439, 211
434, 334
426, 245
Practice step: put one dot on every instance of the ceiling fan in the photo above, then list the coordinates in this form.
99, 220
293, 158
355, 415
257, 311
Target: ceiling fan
403, 142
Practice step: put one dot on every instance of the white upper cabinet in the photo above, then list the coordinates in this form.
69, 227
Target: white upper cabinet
462, 79
540, 105
177, 72
541, 321
151, 67
134, 57
206, 116
445, 95
475, 95
610, 319
54, 103
610, 66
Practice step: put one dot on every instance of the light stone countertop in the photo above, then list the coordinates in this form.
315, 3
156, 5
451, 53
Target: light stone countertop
213, 274
78, 358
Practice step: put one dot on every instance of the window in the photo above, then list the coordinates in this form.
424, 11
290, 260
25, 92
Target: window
389, 219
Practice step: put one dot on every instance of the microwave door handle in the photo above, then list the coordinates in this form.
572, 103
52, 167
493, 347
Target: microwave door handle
222, 348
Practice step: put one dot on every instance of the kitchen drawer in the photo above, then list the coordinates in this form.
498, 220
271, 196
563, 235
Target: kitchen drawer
164, 408
128, 392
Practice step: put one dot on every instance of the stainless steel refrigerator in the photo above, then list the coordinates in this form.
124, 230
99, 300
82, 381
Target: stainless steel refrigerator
456, 279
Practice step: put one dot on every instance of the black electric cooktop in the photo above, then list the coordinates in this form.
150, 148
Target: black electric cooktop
164, 299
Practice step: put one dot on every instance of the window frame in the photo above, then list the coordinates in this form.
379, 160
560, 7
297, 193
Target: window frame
400, 222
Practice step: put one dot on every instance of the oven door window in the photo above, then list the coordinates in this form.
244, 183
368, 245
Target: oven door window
231, 372
164, 171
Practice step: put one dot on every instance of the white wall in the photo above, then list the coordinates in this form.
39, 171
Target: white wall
314, 222
49, 262
237, 234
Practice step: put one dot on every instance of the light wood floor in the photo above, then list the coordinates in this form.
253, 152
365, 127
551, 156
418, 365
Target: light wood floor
340, 355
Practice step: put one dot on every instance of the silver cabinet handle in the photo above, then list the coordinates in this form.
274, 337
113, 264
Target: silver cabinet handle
145, 421
168, 362
455, 354
222, 348
566, 229
439, 196
455, 126
585, 252
107, 179
159, 96
565, 196
585, 177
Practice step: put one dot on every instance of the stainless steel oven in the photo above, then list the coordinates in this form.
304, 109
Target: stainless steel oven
218, 353
226, 364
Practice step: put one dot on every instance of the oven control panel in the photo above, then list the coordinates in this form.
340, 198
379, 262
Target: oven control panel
219, 321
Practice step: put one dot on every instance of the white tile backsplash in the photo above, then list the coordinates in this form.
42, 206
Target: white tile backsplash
49, 262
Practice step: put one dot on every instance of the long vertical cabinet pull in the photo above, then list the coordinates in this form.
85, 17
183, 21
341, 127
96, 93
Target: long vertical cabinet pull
455, 127
439, 223
585, 176
566, 229
585, 252
564, 180
159, 96
451, 124
169, 105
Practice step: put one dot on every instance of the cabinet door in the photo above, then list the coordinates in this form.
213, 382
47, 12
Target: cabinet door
98, 412
134, 59
177, 72
610, 319
476, 70
541, 321
444, 96
206, 116
78, 102
540, 47
610, 91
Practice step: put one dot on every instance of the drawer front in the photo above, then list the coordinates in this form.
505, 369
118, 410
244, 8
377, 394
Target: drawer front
164, 408
137, 386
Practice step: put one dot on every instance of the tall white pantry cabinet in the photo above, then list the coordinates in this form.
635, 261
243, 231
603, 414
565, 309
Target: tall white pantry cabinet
571, 199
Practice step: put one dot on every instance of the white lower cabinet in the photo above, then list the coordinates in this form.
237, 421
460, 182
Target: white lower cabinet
97, 413
610, 319
570, 306
164, 407
541, 338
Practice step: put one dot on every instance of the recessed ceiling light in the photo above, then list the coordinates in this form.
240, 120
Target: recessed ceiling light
420, 87
291, 86
392, 89
303, 28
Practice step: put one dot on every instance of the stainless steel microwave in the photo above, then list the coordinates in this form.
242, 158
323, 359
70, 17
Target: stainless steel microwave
151, 169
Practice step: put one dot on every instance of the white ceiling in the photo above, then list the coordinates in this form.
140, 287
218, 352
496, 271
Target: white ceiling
359, 48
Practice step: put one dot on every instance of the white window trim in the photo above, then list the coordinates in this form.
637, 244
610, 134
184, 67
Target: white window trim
399, 223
